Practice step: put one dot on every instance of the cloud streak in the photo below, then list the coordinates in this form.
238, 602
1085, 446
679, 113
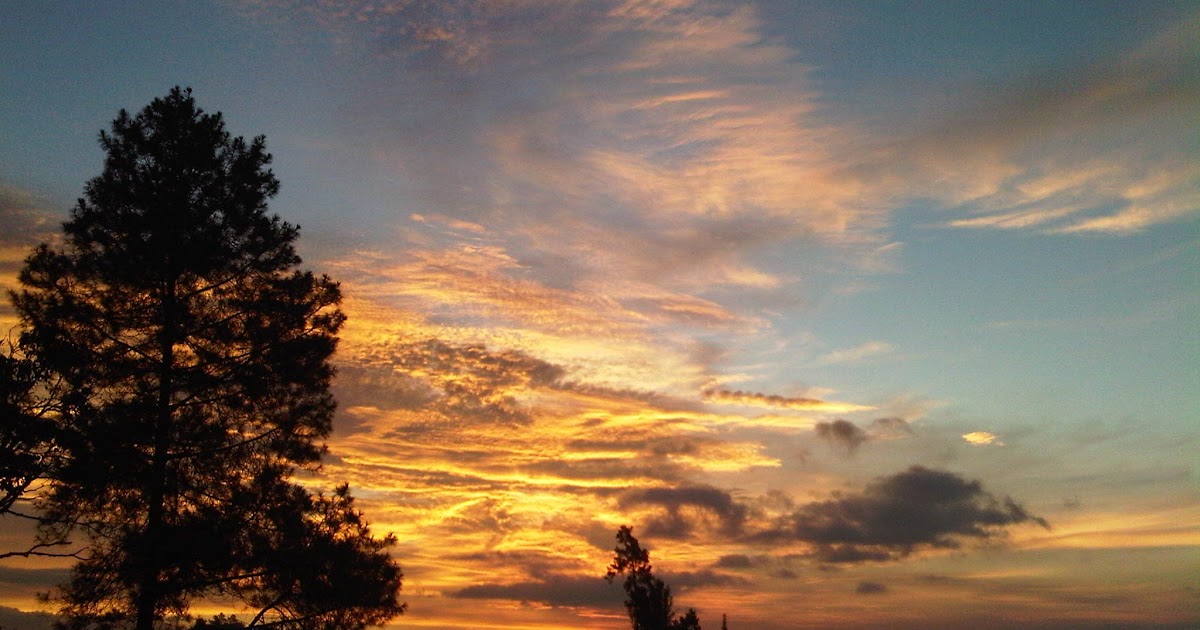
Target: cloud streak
775, 401
858, 353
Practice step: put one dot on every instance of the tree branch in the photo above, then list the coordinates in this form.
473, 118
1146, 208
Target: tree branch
34, 551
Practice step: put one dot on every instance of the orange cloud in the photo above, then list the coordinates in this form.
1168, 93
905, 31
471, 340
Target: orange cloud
981, 438
732, 397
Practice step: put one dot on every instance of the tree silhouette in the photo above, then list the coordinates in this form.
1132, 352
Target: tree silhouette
28, 445
24, 439
189, 358
648, 599
219, 622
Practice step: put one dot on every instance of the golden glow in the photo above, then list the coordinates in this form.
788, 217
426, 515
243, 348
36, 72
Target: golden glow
597, 270
981, 438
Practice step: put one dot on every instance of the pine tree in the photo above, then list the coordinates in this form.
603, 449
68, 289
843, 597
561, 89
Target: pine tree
648, 599
194, 361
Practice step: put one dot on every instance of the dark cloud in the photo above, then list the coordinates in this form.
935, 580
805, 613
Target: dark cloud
705, 503
694, 579
556, 590
655, 446
605, 468
21, 620
846, 436
734, 561
889, 427
841, 434
13, 576
739, 397
898, 514
870, 588
538, 565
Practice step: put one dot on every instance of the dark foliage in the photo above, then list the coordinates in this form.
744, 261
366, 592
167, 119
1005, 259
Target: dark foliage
29, 449
26, 442
188, 358
648, 599
219, 622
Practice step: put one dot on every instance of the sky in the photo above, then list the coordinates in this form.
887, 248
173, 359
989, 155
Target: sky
861, 314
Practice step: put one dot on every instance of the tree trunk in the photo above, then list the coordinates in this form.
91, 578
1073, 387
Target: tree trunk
148, 591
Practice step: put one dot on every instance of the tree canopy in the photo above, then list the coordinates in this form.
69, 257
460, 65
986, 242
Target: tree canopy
186, 360
648, 599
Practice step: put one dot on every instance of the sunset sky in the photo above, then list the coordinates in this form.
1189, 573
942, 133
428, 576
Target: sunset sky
769, 281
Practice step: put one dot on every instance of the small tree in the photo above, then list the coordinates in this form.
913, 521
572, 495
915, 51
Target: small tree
648, 599
190, 361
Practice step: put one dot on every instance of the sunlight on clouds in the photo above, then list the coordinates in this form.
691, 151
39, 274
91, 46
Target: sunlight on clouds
596, 198
676, 133
1106, 150
754, 399
26, 222
981, 438
1175, 526
469, 442
448, 223
447, 296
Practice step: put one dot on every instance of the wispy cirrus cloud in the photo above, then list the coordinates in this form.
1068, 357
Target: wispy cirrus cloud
1100, 148
857, 353
614, 144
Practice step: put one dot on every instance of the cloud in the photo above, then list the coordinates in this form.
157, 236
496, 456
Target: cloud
555, 590
857, 353
870, 588
584, 591
1103, 148
753, 399
846, 436
687, 507
25, 222
15, 618
896, 515
696, 579
481, 295
734, 561
15, 576
982, 438
841, 434
889, 428
613, 145
458, 382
